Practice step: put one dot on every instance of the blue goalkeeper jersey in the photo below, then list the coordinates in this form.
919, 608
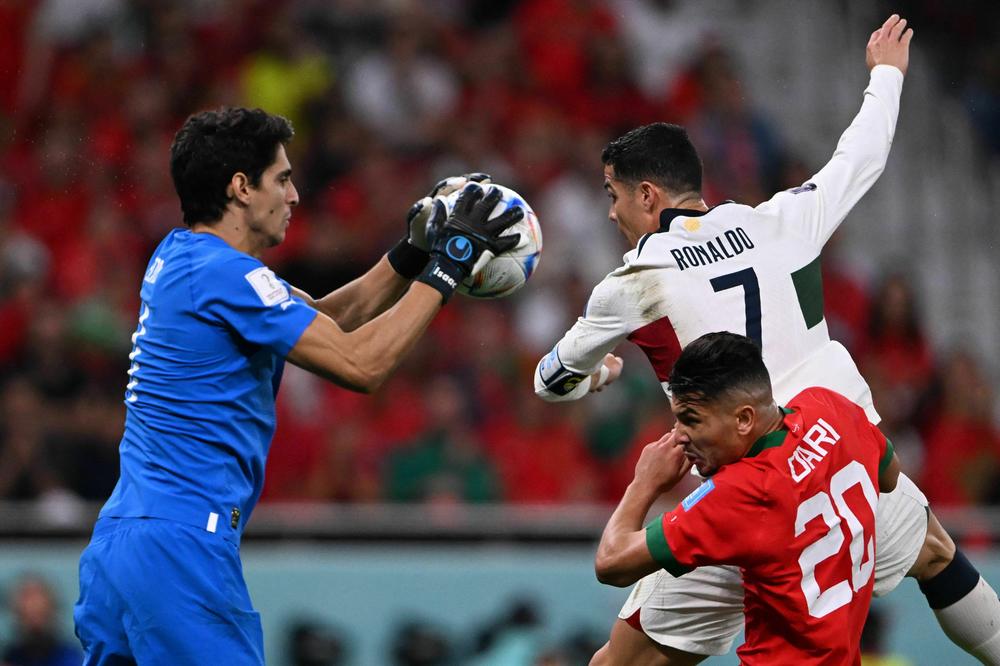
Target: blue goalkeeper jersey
215, 325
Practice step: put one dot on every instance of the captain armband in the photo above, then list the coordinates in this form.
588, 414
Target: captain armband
554, 382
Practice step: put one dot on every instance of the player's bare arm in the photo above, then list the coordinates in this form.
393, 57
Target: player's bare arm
363, 358
622, 555
362, 299
888, 477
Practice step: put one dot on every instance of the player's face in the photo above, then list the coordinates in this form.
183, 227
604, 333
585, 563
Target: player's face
272, 201
708, 432
627, 210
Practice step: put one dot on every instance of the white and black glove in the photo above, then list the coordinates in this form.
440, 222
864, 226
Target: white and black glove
464, 241
410, 255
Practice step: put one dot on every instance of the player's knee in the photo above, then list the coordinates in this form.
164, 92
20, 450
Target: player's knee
936, 553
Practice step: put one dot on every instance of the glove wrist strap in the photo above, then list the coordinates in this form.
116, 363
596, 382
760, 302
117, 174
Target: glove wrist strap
407, 259
443, 274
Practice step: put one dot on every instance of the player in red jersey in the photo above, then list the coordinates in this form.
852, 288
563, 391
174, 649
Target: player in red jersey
790, 499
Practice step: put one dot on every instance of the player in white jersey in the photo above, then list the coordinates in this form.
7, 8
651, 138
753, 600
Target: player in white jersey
755, 271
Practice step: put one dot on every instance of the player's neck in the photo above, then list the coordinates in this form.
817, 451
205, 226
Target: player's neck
770, 419
234, 231
687, 201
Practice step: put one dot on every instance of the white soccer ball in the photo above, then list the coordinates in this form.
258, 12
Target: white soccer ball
507, 272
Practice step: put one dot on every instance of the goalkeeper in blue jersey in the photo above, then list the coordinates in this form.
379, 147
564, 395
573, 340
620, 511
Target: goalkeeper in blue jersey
161, 581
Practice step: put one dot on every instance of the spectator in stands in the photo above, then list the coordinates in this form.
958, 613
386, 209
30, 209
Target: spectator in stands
419, 643
315, 644
288, 72
963, 441
37, 639
737, 143
403, 90
27, 452
896, 348
446, 463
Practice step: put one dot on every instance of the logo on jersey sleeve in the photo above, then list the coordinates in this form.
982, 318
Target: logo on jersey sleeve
808, 187
697, 494
154, 271
268, 287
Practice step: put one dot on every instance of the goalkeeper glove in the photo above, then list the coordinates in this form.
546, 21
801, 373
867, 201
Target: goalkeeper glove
465, 241
409, 256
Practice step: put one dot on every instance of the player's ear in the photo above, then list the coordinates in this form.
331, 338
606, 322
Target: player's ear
648, 196
239, 188
746, 419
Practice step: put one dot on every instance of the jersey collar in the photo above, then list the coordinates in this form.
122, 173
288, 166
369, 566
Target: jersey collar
667, 215
773, 438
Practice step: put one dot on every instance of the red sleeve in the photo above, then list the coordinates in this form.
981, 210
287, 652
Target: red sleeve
718, 523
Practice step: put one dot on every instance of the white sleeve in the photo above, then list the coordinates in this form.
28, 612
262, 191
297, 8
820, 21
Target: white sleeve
564, 373
817, 208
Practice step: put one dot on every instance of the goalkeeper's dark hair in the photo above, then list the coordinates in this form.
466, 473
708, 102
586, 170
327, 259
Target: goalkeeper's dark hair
719, 365
661, 153
211, 146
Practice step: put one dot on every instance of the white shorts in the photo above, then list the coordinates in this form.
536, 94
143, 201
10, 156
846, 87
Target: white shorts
702, 612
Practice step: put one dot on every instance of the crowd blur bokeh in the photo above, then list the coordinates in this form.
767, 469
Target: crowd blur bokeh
386, 98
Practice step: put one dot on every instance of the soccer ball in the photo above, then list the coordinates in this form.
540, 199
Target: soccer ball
507, 272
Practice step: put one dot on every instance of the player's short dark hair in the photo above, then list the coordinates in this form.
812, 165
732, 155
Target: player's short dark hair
717, 365
211, 146
661, 153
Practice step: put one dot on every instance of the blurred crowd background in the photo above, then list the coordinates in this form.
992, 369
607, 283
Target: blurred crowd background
388, 96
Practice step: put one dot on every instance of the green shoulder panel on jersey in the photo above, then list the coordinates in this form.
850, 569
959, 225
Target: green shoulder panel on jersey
771, 439
656, 542
887, 456
808, 282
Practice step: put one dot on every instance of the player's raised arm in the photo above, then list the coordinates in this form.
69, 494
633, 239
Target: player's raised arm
366, 297
817, 207
460, 244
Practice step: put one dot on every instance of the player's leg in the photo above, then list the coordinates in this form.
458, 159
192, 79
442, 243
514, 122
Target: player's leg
911, 542
687, 618
97, 614
187, 602
965, 605
629, 646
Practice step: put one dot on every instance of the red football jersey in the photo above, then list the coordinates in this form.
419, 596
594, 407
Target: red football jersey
797, 515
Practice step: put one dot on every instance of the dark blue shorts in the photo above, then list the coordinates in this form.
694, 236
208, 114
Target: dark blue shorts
160, 592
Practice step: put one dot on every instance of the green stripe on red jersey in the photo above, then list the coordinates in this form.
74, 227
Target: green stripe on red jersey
886, 457
656, 542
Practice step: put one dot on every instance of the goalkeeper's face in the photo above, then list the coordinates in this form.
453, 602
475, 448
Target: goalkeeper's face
270, 209
632, 206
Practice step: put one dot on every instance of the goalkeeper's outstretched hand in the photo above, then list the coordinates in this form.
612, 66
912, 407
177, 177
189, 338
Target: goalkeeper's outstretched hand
464, 241
410, 254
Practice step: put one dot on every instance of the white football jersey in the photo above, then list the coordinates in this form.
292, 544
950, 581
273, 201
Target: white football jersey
754, 271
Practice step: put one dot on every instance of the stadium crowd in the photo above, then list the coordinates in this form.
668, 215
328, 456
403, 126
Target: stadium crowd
386, 98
